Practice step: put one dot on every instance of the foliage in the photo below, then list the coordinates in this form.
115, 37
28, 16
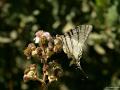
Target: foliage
20, 19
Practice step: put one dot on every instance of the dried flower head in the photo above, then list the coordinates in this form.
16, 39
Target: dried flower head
42, 35
31, 46
58, 44
28, 51
30, 73
54, 71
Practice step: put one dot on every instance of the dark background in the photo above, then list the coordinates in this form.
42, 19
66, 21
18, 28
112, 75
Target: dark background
20, 19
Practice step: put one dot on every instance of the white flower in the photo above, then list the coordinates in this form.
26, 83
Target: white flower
36, 39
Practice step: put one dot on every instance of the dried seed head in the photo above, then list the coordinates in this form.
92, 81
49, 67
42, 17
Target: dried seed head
54, 71
40, 34
39, 51
30, 73
27, 52
31, 46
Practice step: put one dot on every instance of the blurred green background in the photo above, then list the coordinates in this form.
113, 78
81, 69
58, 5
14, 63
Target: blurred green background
20, 19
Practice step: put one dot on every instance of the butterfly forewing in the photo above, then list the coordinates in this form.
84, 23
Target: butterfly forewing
69, 42
84, 31
65, 47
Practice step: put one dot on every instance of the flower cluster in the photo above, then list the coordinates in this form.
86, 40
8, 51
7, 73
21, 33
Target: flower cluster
47, 46
43, 48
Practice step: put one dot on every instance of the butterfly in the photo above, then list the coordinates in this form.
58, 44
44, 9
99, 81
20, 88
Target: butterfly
73, 42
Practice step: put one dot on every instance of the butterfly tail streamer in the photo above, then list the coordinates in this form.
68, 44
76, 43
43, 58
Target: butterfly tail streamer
81, 69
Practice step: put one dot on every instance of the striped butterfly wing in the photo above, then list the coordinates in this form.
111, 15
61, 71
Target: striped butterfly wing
73, 41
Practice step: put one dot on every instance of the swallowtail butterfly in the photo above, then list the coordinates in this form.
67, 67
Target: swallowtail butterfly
73, 42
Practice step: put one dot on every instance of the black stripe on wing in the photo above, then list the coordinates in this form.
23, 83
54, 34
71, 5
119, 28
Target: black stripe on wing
70, 33
75, 34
